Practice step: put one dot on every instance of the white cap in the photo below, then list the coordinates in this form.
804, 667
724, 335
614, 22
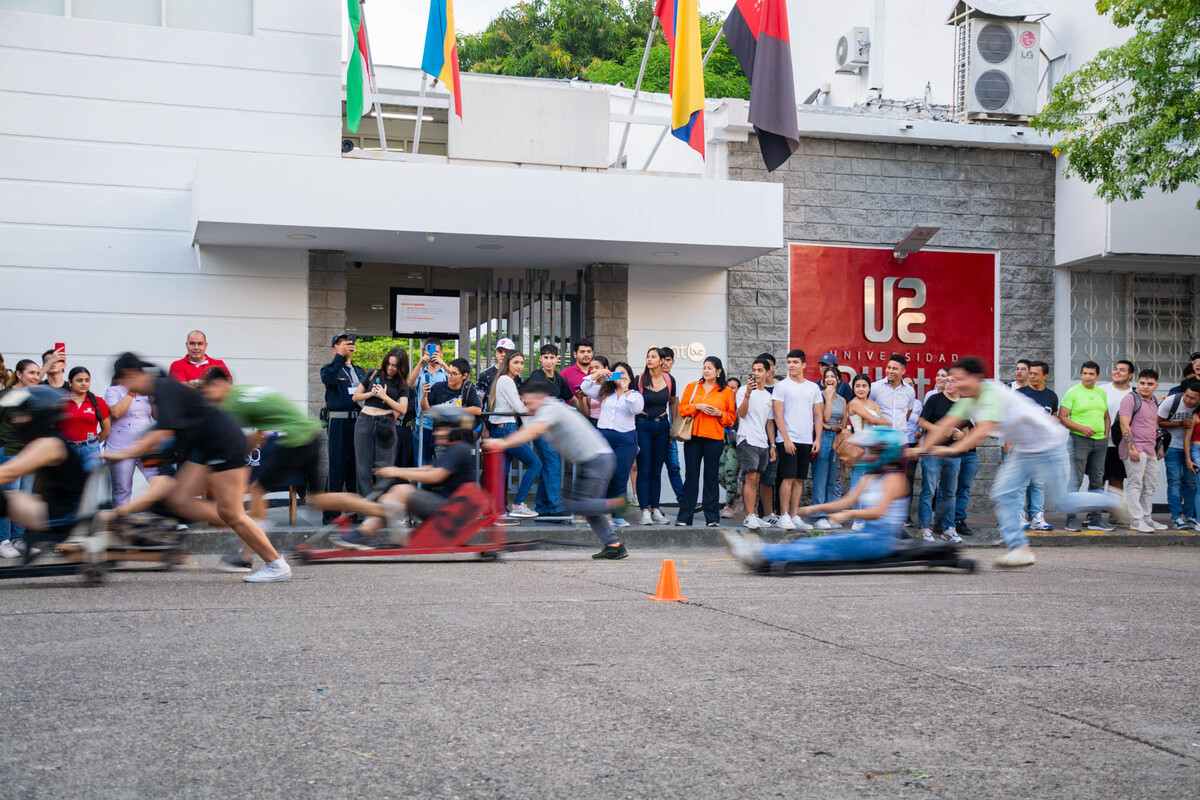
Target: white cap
506, 344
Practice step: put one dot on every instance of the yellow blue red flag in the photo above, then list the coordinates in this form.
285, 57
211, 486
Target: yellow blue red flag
680, 21
441, 49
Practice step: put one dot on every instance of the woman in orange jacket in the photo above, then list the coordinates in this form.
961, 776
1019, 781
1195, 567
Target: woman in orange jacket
709, 402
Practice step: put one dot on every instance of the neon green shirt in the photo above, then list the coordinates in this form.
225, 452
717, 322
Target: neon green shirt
1087, 407
267, 410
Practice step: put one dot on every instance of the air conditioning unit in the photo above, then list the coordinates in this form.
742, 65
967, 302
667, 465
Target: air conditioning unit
996, 69
853, 52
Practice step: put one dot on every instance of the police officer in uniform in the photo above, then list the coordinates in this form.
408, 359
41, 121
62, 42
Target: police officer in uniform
341, 377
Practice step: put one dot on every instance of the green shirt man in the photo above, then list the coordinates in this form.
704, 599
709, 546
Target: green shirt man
1085, 408
267, 410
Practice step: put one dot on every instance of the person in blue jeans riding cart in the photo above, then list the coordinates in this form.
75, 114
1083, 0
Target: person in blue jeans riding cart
879, 500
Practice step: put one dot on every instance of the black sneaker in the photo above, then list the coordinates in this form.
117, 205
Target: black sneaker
712, 524
964, 529
611, 552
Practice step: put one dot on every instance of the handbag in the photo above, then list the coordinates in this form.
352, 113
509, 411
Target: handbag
681, 426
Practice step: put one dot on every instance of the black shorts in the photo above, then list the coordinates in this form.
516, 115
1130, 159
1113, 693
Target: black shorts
1114, 467
218, 444
794, 466
424, 503
287, 467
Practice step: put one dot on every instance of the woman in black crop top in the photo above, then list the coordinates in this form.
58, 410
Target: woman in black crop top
653, 434
384, 395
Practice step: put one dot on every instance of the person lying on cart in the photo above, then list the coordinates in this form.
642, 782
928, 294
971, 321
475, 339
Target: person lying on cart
452, 467
880, 500
34, 413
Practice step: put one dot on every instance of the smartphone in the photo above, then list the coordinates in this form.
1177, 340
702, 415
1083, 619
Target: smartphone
616, 376
60, 346
431, 350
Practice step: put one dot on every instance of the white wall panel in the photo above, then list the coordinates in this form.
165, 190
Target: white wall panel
35, 159
313, 55
286, 15
95, 206
95, 248
140, 123
117, 293
674, 306
45, 72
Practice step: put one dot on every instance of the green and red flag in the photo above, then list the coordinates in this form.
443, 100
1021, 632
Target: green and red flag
356, 69
757, 32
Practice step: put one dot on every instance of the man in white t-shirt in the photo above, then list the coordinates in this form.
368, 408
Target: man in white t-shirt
798, 424
1117, 390
755, 430
1038, 452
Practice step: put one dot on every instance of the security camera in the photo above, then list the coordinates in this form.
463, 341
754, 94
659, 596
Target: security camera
358, 265
347, 145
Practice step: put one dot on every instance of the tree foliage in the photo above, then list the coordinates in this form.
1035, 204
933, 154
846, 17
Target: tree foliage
1131, 116
596, 40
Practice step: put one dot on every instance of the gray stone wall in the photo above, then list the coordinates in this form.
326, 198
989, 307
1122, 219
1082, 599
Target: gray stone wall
853, 192
606, 309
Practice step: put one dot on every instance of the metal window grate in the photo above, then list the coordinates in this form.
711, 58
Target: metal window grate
1148, 319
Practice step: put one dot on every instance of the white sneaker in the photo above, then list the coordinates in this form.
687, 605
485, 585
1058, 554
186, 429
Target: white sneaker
951, 535
824, 524
1158, 526
620, 522
1024, 521
647, 517
927, 535
771, 520
747, 552
1038, 523
1143, 527
857, 525
658, 516
1020, 557
277, 570
752, 522
8, 551
800, 524
785, 523
521, 510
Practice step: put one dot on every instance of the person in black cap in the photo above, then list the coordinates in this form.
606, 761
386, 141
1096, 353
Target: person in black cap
341, 378
843, 388
215, 450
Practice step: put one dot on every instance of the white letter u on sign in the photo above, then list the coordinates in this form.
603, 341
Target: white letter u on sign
897, 316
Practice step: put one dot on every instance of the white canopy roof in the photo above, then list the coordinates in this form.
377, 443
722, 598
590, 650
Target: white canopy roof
1012, 9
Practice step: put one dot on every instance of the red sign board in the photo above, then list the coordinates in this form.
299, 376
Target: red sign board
863, 304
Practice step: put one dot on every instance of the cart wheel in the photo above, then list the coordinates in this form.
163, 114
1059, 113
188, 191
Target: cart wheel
94, 574
489, 555
968, 565
303, 554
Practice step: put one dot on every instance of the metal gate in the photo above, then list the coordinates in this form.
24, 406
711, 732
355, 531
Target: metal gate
532, 311
1149, 318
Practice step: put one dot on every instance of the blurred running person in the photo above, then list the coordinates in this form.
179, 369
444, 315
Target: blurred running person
26, 373
1037, 391
579, 444
879, 501
1038, 452
215, 450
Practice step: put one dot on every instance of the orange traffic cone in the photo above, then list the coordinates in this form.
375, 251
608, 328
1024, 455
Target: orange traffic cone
668, 583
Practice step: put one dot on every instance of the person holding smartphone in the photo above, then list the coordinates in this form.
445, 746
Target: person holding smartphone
619, 406
54, 368
430, 370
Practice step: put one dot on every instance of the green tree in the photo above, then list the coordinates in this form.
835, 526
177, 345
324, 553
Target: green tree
597, 40
1131, 116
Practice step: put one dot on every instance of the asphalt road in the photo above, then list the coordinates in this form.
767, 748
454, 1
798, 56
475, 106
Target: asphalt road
548, 675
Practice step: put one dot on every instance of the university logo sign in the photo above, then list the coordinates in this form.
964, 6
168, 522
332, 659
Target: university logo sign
861, 303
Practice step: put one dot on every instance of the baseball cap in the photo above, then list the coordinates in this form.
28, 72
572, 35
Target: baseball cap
130, 362
506, 344
829, 358
342, 337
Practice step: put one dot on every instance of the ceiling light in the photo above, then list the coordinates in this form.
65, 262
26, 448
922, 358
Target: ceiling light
301, 236
429, 237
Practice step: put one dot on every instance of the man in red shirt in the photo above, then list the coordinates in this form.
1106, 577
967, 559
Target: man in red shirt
192, 368
575, 373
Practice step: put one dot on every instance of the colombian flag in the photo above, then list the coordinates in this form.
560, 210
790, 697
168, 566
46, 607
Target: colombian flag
441, 49
680, 20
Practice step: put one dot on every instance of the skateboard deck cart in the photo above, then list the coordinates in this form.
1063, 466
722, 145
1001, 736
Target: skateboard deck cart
929, 555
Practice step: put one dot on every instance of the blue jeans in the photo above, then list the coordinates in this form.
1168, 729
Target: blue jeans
1195, 496
939, 477
1053, 470
89, 454
549, 492
1181, 484
422, 451
673, 473
624, 447
826, 486
526, 455
653, 439
6, 526
1035, 499
876, 540
968, 466
856, 474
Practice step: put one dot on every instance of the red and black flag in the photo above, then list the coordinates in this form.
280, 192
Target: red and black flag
757, 31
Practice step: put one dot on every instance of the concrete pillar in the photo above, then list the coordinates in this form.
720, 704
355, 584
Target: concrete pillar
606, 310
326, 316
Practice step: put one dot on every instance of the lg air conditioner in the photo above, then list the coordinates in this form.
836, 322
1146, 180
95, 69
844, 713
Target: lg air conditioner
853, 52
996, 69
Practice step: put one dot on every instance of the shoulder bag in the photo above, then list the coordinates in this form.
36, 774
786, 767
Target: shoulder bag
681, 426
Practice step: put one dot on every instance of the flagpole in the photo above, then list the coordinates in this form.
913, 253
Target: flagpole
637, 88
420, 114
362, 11
703, 63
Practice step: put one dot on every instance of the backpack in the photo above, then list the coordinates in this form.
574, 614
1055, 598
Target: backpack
1163, 438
